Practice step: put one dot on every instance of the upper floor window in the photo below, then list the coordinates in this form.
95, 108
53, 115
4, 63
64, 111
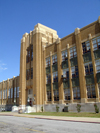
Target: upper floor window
74, 71
86, 47
64, 55
55, 77
11, 92
73, 52
48, 78
66, 73
54, 59
27, 74
97, 63
88, 68
28, 55
31, 52
96, 43
91, 91
17, 91
31, 73
47, 61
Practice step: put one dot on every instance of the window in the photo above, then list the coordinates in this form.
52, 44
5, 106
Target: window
31, 52
64, 55
88, 68
17, 91
48, 95
55, 77
11, 92
67, 94
30, 91
27, 74
96, 43
66, 73
56, 95
99, 89
91, 91
28, 55
76, 93
74, 71
86, 47
48, 62
6, 93
31, 73
97, 63
48, 78
3, 94
73, 52
54, 59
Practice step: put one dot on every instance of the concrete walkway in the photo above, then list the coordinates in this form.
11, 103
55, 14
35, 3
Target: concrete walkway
60, 118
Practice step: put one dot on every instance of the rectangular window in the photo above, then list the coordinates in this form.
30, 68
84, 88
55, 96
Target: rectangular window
15, 92
76, 93
67, 94
99, 89
31, 52
6, 93
66, 73
28, 55
64, 55
74, 71
88, 68
48, 62
31, 73
91, 91
96, 43
97, 63
56, 95
86, 47
48, 95
73, 52
54, 59
48, 78
55, 77
11, 92
27, 74
3, 94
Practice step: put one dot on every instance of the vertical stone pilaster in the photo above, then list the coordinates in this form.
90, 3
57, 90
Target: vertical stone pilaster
70, 75
99, 22
94, 69
82, 81
52, 95
7, 89
61, 96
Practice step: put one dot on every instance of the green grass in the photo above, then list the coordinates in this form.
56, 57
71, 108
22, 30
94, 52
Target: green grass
67, 114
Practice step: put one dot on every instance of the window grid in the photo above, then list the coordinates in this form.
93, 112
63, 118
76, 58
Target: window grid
48, 78
17, 91
27, 74
28, 55
54, 59
66, 73
64, 55
86, 47
67, 94
56, 95
74, 71
99, 89
48, 62
96, 43
73, 52
97, 63
49, 96
88, 68
76, 93
55, 77
31, 73
91, 91
31, 52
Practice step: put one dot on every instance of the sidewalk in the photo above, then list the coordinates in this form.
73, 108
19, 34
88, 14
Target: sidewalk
60, 118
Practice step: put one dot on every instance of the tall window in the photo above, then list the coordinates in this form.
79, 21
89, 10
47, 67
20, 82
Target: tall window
96, 43
11, 92
99, 89
32, 73
74, 71
48, 62
17, 91
88, 68
28, 55
86, 47
67, 94
31, 52
55, 77
48, 95
27, 74
66, 73
76, 93
48, 78
64, 55
4, 94
54, 59
91, 91
97, 63
73, 52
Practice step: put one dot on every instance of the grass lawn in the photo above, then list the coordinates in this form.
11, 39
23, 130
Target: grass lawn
67, 114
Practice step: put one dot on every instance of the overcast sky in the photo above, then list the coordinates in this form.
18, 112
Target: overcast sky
20, 16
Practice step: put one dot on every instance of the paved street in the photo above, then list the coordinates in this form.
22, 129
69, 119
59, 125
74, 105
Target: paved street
12, 124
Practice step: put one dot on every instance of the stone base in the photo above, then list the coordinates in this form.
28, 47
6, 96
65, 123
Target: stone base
97, 99
61, 101
83, 100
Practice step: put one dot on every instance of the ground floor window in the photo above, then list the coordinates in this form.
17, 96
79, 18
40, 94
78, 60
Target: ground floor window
76, 93
49, 96
99, 89
67, 94
56, 95
91, 91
